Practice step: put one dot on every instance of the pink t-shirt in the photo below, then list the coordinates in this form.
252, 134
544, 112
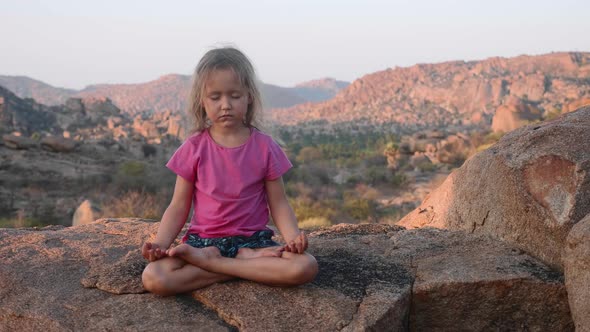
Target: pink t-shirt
229, 196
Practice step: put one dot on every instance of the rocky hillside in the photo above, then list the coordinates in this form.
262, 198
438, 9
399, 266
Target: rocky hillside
51, 156
168, 92
82, 119
451, 94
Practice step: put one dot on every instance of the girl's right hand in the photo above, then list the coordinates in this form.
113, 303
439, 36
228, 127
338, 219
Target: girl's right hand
297, 245
152, 251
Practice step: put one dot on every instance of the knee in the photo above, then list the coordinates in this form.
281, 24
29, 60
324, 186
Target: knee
155, 281
304, 270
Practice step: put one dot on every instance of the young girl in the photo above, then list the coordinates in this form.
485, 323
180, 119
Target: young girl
232, 173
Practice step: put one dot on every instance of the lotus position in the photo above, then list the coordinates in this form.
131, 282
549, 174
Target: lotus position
231, 173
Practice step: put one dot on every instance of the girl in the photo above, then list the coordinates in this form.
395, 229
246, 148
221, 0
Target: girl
232, 173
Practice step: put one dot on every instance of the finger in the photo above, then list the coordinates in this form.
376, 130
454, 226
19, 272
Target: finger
158, 253
302, 241
305, 242
300, 247
145, 250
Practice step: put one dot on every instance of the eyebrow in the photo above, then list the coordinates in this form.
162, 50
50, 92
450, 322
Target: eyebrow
220, 92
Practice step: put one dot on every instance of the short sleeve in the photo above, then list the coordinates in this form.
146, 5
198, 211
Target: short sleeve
183, 162
278, 163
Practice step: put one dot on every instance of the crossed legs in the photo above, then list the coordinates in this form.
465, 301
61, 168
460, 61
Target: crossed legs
188, 268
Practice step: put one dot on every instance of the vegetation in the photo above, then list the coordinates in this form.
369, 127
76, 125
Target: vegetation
137, 204
335, 177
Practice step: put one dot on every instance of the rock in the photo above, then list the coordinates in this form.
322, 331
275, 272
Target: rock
530, 87
453, 149
18, 142
41, 290
145, 128
370, 278
85, 214
176, 126
453, 273
75, 105
354, 290
574, 105
514, 115
576, 261
529, 189
58, 144
419, 159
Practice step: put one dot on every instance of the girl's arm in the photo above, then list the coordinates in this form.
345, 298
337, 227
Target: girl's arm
282, 213
176, 213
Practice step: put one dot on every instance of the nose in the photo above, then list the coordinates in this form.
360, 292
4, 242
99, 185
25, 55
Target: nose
225, 104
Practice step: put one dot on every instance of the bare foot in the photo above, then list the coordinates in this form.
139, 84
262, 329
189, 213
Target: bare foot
247, 253
200, 257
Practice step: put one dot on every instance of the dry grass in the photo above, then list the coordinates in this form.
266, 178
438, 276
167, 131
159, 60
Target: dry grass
138, 204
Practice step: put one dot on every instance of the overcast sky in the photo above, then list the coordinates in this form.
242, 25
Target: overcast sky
76, 43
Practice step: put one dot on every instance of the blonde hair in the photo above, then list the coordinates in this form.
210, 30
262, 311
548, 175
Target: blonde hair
224, 58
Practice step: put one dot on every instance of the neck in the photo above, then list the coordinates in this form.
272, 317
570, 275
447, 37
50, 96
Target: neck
229, 137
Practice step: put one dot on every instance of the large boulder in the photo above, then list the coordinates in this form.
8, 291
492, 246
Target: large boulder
576, 261
529, 189
58, 144
514, 114
371, 278
18, 142
85, 213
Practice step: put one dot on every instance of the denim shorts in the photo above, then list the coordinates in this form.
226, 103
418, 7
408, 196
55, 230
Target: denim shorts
229, 246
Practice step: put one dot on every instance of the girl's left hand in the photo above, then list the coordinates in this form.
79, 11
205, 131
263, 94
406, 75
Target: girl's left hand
297, 245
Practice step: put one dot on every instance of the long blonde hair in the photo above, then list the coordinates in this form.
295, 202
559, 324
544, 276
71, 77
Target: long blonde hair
224, 58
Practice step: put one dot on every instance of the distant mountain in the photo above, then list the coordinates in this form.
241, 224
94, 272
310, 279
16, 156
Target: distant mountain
456, 93
168, 92
26, 87
320, 90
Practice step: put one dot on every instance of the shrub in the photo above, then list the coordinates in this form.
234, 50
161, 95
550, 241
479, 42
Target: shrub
359, 208
135, 175
308, 154
426, 166
314, 222
139, 204
20, 222
552, 114
305, 208
132, 168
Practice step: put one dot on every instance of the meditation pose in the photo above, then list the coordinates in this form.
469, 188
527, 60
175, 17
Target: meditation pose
231, 173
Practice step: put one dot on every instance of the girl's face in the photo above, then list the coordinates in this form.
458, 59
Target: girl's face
225, 99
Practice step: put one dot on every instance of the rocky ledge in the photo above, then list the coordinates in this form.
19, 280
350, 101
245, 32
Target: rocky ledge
372, 277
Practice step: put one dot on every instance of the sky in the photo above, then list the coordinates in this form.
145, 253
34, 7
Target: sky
75, 43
